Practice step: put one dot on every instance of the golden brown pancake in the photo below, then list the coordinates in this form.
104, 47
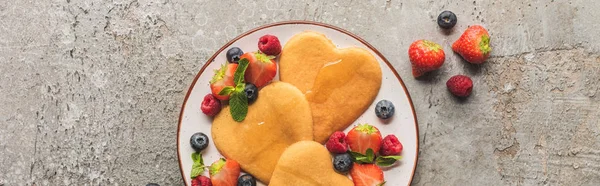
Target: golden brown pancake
279, 117
339, 84
307, 163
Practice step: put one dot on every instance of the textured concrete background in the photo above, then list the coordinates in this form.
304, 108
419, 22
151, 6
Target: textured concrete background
90, 91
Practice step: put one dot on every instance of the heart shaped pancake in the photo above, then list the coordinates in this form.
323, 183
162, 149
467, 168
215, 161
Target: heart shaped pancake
339, 84
307, 163
279, 118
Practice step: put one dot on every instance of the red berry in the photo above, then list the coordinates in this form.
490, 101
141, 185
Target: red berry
473, 45
201, 181
460, 85
269, 44
364, 137
425, 56
390, 146
337, 143
210, 105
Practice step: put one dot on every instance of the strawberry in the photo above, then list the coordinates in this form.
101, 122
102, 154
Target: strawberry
425, 56
363, 137
261, 68
473, 45
224, 172
366, 175
223, 77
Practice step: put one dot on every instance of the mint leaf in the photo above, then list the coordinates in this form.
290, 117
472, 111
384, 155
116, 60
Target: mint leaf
363, 158
385, 161
239, 105
238, 77
198, 166
226, 90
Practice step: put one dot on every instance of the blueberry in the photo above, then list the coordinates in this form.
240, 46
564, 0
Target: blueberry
246, 180
233, 54
384, 109
342, 162
251, 92
447, 19
199, 141
152, 184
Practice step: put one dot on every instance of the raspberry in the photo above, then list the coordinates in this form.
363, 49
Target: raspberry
269, 44
460, 85
201, 181
390, 146
337, 143
210, 105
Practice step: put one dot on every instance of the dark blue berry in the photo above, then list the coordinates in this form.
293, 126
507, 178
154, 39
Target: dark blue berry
251, 92
199, 141
447, 19
246, 180
233, 54
384, 109
152, 184
342, 162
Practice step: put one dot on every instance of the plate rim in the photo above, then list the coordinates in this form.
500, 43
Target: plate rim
226, 45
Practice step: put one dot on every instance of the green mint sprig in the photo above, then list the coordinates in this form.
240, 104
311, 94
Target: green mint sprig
369, 157
237, 98
198, 166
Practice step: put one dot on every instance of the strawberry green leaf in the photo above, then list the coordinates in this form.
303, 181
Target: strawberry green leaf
484, 45
385, 161
263, 57
216, 166
219, 74
381, 184
198, 166
239, 105
226, 90
238, 77
366, 128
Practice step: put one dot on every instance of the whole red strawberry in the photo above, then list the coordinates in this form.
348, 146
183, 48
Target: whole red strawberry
425, 56
363, 137
473, 45
210, 105
460, 85
366, 175
224, 172
390, 146
201, 181
337, 143
269, 44
261, 68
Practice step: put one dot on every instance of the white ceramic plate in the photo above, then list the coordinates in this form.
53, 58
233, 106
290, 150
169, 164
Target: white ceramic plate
403, 124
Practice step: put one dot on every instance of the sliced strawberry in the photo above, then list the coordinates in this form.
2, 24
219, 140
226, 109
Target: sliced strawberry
223, 77
224, 172
366, 175
363, 137
261, 68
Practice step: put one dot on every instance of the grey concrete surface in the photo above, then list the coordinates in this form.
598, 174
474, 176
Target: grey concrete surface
90, 91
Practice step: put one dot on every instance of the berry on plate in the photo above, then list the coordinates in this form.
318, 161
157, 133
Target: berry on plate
261, 68
211, 106
223, 77
269, 44
384, 109
246, 180
363, 137
233, 54
446, 19
224, 172
342, 162
337, 143
425, 56
199, 141
460, 85
473, 45
251, 92
201, 181
366, 175
390, 146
